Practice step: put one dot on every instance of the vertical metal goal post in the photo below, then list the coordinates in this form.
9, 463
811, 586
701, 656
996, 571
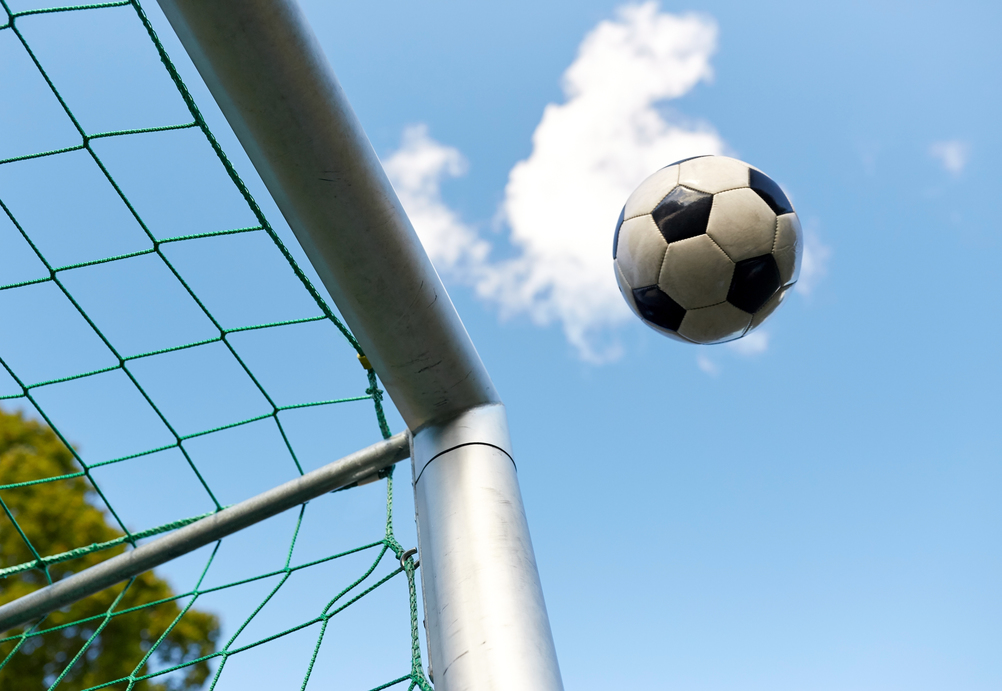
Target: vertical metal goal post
487, 625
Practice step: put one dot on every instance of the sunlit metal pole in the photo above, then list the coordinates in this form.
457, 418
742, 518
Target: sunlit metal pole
487, 623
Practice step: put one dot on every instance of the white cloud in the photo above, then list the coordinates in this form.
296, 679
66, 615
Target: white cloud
589, 153
416, 170
952, 154
814, 263
707, 365
755, 343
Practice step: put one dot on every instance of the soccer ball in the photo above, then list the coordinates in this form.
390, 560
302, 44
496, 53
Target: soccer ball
706, 248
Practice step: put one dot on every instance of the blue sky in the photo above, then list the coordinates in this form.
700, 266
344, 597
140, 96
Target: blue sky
817, 509
822, 514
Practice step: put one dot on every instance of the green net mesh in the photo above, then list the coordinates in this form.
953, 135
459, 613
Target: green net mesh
58, 516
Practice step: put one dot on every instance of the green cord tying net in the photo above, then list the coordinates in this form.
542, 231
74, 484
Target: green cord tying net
59, 512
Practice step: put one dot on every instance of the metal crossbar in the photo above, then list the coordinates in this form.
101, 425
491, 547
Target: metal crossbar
351, 470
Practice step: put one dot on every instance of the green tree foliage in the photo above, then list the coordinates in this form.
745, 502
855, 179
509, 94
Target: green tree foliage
59, 516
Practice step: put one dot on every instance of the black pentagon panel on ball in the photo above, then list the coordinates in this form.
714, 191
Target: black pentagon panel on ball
615, 238
682, 214
770, 192
656, 307
753, 283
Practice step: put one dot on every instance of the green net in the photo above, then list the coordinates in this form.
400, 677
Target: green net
59, 516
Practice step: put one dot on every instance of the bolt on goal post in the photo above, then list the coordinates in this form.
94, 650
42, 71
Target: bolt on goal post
486, 620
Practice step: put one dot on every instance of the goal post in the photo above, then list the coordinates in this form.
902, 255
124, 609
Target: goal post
486, 620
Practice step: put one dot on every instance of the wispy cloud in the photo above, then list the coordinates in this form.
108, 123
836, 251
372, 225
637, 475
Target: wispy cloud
814, 263
589, 153
417, 170
704, 363
953, 154
755, 343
